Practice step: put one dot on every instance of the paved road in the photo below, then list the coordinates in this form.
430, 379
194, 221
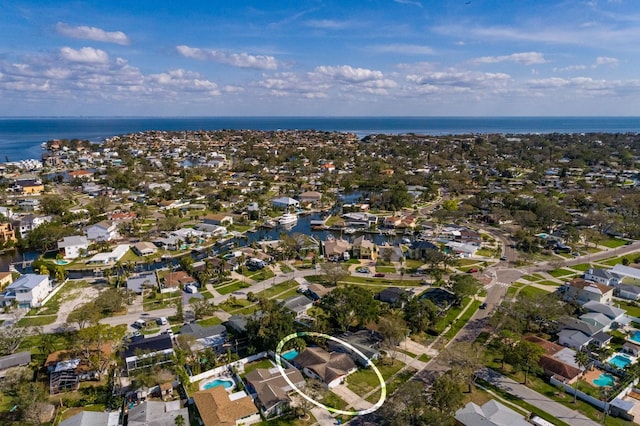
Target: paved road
534, 398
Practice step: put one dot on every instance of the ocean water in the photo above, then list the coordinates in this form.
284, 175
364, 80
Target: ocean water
20, 138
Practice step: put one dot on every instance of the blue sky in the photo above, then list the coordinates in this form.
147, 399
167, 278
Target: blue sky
327, 58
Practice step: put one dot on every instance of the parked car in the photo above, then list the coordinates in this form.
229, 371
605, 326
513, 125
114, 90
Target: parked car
378, 274
472, 271
363, 270
162, 321
503, 258
483, 306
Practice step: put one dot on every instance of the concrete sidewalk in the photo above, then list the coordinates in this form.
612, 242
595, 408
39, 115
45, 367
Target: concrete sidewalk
534, 398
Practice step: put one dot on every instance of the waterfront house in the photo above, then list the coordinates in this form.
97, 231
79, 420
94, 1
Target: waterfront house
144, 248
363, 248
28, 291
74, 246
109, 257
335, 249
285, 203
28, 223
310, 197
7, 233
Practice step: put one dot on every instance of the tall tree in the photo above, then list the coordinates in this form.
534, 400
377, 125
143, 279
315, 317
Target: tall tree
272, 325
351, 305
526, 357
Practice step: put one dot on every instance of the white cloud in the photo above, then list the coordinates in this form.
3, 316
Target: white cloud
184, 80
348, 73
604, 60
404, 49
85, 54
240, 60
460, 79
526, 58
92, 33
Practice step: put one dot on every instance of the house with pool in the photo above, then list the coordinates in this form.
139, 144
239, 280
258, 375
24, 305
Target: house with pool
331, 368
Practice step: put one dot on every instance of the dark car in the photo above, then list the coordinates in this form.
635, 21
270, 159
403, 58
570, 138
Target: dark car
503, 258
378, 274
483, 306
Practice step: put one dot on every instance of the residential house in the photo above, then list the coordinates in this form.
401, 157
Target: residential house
582, 291
463, 250
66, 372
28, 223
271, 390
602, 276
6, 278
298, 304
144, 352
331, 368
631, 348
144, 248
216, 407
441, 297
578, 333
112, 256
92, 418
7, 233
317, 291
557, 361
29, 186
420, 249
285, 203
626, 271
310, 197
335, 249
363, 248
74, 246
628, 292
366, 341
28, 291
395, 296
137, 283
102, 231
491, 413
205, 337
159, 413
218, 219
616, 315
390, 253
174, 281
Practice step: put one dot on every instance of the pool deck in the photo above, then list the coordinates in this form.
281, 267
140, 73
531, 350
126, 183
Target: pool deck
591, 375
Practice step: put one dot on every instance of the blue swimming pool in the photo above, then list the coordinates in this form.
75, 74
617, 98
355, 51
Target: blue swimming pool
620, 361
635, 337
290, 355
604, 380
226, 383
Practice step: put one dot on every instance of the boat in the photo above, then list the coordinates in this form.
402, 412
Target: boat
287, 219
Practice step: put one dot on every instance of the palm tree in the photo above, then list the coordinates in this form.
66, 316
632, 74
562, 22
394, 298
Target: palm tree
583, 360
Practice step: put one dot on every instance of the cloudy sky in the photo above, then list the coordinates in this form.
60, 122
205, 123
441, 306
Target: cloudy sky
327, 58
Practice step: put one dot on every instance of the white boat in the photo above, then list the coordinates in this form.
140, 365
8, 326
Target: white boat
287, 218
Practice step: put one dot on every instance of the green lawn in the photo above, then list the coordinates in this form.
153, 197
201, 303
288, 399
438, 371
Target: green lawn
38, 321
632, 309
550, 283
206, 294
261, 275
393, 384
366, 380
532, 277
377, 281
262, 363
452, 313
230, 288
209, 321
557, 273
457, 325
532, 291
386, 269
583, 267
612, 243
278, 288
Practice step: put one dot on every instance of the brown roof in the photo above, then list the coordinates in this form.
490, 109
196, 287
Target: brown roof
550, 348
319, 289
558, 367
582, 283
216, 408
174, 279
328, 366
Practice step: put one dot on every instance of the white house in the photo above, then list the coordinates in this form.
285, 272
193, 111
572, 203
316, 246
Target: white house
602, 276
285, 202
626, 271
74, 246
102, 231
28, 291
28, 223
111, 257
